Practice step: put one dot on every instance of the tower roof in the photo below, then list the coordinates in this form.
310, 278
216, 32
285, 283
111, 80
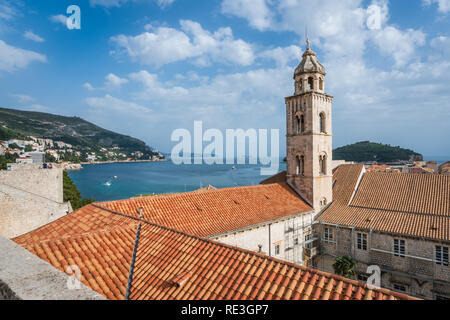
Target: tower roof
309, 63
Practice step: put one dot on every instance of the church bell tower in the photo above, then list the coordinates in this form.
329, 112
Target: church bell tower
309, 133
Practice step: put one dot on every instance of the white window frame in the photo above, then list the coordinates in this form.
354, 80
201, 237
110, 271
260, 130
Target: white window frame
399, 248
441, 255
361, 241
328, 235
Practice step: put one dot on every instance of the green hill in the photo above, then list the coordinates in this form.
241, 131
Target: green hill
83, 135
369, 151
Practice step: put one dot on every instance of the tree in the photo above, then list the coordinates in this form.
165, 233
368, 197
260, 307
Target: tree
72, 194
345, 266
7, 158
49, 158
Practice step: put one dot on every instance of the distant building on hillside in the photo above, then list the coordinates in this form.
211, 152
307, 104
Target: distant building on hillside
24, 160
38, 157
433, 166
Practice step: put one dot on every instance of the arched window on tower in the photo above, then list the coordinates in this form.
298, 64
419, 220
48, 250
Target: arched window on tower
321, 84
300, 124
300, 170
323, 165
311, 83
322, 123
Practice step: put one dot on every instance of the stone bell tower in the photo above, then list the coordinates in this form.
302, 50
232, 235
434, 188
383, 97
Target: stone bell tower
309, 133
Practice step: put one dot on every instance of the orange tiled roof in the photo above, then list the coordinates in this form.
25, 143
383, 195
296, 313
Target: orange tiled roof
213, 212
278, 178
174, 265
408, 204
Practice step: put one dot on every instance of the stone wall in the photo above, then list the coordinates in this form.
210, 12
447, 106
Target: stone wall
30, 198
22, 212
23, 276
47, 183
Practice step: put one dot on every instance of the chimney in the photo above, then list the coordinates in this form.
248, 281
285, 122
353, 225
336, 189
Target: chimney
140, 212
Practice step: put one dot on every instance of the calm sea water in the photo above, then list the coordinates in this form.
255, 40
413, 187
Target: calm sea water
99, 182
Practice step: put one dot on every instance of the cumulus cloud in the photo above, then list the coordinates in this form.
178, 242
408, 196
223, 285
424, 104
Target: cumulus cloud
113, 81
119, 3
59, 18
12, 58
163, 45
7, 11
110, 103
256, 12
401, 45
30, 35
88, 86
443, 5
283, 56
23, 98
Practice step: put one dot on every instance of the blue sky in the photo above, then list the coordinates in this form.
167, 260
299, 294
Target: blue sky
148, 67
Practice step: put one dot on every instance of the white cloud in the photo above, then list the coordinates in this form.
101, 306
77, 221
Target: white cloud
22, 98
30, 35
164, 45
59, 18
7, 11
443, 5
12, 58
164, 3
119, 3
283, 56
113, 81
107, 3
441, 45
401, 45
256, 12
88, 86
223, 101
110, 103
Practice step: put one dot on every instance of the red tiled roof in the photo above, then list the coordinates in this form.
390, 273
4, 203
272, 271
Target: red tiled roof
278, 178
399, 203
213, 212
174, 265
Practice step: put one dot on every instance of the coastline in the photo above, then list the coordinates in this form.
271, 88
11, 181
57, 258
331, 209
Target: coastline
121, 161
79, 166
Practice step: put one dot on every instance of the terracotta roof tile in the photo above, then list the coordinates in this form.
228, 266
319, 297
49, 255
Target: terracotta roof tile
198, 213
171, 264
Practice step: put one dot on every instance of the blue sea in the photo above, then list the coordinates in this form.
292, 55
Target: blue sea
100, 183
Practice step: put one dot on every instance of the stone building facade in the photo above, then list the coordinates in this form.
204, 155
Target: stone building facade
416, 272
